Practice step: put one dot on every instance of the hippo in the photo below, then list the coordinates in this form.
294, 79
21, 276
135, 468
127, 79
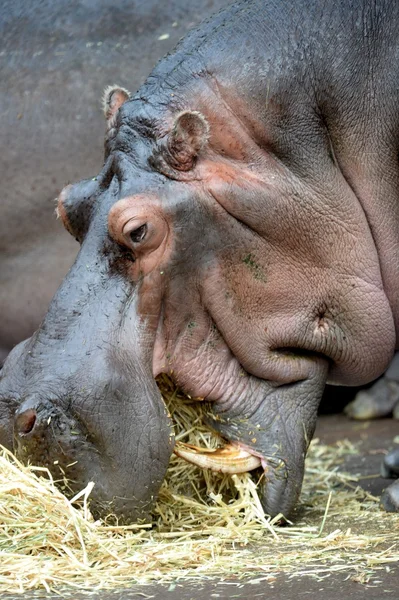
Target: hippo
242, 236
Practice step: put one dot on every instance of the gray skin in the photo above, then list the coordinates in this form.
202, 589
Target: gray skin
241, 236
56, 59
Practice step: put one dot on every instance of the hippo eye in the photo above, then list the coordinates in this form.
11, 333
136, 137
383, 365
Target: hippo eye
138, 235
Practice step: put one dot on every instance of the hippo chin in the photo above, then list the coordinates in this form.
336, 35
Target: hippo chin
242, 236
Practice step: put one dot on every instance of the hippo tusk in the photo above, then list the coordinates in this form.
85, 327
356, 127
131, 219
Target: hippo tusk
229, 459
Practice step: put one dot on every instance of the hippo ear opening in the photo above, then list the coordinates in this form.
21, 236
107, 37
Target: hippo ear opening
188, 137
113, 98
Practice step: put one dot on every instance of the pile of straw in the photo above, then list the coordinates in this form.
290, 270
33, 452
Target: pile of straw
205, 524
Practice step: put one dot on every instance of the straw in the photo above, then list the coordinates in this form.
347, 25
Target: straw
204, 525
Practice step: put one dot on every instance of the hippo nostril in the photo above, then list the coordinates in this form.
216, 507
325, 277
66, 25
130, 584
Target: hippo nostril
25, 421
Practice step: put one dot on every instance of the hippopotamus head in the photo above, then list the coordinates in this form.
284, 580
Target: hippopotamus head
205, 257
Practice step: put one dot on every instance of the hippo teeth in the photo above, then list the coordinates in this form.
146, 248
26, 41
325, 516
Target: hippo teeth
229, 459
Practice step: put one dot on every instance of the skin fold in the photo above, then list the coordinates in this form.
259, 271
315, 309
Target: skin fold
242, 236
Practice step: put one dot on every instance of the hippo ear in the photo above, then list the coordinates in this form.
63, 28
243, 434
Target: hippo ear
188, 137
113, 98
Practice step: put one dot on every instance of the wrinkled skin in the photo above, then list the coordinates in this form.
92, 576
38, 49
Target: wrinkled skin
242, 236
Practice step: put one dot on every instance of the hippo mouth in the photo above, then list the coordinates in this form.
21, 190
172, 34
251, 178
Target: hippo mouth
235, 458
